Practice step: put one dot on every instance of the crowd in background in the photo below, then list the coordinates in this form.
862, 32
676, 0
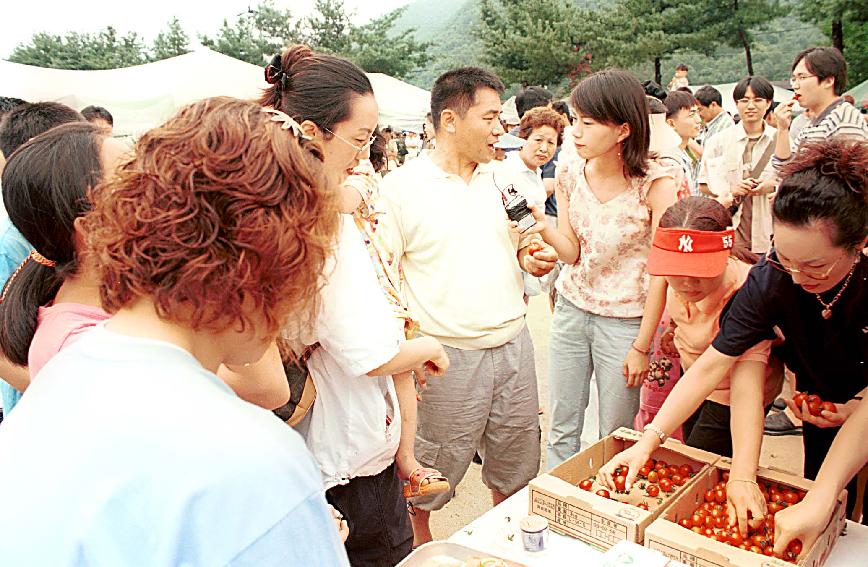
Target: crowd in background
272, 333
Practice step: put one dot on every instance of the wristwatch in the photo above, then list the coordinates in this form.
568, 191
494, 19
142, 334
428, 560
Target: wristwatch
657, 431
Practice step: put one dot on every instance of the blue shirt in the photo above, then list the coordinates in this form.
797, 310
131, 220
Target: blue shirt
13, 250
127, 452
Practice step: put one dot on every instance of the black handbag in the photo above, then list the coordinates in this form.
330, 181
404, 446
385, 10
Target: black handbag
302, 391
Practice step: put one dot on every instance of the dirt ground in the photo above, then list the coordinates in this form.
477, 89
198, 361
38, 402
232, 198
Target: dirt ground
472, 498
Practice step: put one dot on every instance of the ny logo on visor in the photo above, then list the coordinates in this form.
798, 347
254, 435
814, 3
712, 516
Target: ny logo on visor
685, 243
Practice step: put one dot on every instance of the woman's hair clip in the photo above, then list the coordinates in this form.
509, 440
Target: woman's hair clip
274, 72
288, 123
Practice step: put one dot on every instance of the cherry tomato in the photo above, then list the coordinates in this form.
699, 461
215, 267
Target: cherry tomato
697, 529
774, 508
586, 484
756, 549
800, 399
829, 407
696, 520
660, 465
652, 490
603, 492
725, 476
791, 497
735, 538
708, 532
685, 470
678, 480
709, 496
653, 477
643, 472
665, 485
815, 407
620, 483
685, 523
814, 398
708, 521
650, 463
720, 486
802, 494
642, 505
719, 537
720, 522
720, 496
769, 551
795, 547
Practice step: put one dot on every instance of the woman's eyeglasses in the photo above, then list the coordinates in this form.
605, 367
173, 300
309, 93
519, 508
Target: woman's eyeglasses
814, 274
358, 149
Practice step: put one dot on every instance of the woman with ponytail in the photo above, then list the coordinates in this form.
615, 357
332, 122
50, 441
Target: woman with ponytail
812, 286
362, 427
52, 297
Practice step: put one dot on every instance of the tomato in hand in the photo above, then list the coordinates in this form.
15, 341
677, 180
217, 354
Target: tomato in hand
800, 400
620, 483
586, 484
815, 407
829, 407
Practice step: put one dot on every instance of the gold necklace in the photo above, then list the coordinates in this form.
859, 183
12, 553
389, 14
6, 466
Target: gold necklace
827, 311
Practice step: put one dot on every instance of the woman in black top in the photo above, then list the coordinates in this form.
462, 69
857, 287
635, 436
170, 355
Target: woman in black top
812, 288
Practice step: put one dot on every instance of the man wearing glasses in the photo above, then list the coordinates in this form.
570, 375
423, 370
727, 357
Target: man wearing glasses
736, 165
819, 77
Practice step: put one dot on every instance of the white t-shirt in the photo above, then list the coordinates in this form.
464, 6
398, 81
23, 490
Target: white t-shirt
126, 451
528, 182
462, 278
354, 427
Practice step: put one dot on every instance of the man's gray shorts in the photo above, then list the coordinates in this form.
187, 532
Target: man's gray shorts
487, 402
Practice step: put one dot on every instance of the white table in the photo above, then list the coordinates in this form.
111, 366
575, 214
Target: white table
497, 533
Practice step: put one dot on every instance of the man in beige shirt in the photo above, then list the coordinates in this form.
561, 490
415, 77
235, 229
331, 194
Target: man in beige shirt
444, 218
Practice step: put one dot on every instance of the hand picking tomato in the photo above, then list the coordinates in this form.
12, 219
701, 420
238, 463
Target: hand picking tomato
620, 483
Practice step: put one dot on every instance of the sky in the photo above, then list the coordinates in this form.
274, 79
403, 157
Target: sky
21, 19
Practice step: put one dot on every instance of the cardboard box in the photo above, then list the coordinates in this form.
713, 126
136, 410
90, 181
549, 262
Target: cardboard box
681, 544
599, 521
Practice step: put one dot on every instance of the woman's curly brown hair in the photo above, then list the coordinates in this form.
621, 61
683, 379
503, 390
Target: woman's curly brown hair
221, 215
539, 117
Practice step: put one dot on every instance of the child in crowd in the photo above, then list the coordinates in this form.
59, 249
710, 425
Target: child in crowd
206, 242
693, 250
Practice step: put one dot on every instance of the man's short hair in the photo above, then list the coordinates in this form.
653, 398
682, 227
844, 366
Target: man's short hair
531, 97
655, 105
678, 100
561, 107
653, 89
760, 86
8, 103
825, 62
707, 94
31, 119
92, 113
682, 67
456, 90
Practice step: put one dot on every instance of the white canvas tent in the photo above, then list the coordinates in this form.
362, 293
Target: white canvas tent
143, 96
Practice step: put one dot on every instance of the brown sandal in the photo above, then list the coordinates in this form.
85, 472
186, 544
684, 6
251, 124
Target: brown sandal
424, 481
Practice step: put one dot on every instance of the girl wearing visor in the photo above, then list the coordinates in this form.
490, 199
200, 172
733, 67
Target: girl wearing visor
693, 250
813, 287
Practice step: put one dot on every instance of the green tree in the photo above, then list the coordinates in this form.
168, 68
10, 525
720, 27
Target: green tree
845, 22
734, 21
171, 42
376, 51
255, 35
537, 42
329, 27
84, 51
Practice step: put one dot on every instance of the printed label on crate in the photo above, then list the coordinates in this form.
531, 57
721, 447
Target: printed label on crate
680, 555
582, 523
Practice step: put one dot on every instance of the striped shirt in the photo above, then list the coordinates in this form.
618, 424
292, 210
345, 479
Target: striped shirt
840, 119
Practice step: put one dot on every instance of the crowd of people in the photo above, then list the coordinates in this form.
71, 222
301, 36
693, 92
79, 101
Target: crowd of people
272, 333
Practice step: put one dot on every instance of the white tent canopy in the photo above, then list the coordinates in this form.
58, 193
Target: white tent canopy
144, 96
